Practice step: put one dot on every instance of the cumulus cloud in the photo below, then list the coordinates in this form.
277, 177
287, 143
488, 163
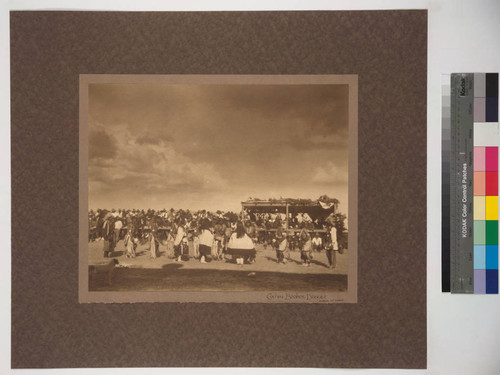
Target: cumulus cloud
148, 139
148, 167
329, 174
199, 145
101, 145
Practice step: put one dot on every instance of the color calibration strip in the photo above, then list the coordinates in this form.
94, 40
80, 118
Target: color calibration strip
486, 183
470, 161
445, 176
461, 183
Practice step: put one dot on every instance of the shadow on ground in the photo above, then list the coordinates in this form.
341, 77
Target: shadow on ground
174, 277
290, 260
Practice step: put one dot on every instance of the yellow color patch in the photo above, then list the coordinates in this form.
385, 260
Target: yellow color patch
492, 208
480, 208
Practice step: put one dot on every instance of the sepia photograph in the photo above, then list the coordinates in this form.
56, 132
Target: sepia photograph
218, 189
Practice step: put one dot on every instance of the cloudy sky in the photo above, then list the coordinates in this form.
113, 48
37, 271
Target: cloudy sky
213, 146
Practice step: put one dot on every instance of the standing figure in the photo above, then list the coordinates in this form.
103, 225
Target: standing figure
181, 233
206, 240
218, 240
118, 228
305, 247
280, 245
108, 234
241, 246
227, 235
154, 243
170, 243
293, 242
185, 246
130, 244
196, 244
332, 247
214, 250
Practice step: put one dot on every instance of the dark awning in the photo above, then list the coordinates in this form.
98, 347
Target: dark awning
314, 209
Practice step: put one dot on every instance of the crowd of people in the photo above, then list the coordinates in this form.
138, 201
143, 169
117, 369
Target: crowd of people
216, 236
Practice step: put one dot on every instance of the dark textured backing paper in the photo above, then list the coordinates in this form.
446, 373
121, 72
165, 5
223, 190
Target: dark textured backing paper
386, 328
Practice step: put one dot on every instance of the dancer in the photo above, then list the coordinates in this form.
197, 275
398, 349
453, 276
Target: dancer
227, 235
178, 240
108, 234
196, 244
305, 247
153, 240
282, 247
332, 247
206, 239
218, 240
130, 245
240, 245
280, 244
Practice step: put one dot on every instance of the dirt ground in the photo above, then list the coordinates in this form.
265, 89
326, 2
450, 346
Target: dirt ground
165, 274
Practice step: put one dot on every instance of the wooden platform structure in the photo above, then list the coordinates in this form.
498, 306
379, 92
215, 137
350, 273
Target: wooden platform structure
315, 209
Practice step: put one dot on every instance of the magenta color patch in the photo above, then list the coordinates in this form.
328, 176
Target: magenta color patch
491, 159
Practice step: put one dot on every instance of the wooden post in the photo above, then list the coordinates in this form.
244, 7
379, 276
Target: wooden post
286, 216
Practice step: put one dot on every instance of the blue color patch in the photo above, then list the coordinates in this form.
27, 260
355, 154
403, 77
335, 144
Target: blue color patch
491, 257
491, 281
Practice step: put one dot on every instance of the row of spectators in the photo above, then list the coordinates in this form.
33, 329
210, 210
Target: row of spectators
140, 226
167, 218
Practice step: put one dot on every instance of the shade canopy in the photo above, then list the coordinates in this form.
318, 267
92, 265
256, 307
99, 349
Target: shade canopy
314, 208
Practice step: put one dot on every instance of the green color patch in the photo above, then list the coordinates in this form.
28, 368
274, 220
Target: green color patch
491, 232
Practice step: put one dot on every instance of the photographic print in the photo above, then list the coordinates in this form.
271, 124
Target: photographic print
218, 188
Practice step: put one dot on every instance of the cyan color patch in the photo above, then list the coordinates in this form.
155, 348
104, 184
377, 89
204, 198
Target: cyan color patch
479, 257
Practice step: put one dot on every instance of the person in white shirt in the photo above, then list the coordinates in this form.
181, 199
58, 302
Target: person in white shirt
317, 242
118, 228
178, 241
306, 218
332, 247
206, 239
240, 245
300, 218
282, 245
